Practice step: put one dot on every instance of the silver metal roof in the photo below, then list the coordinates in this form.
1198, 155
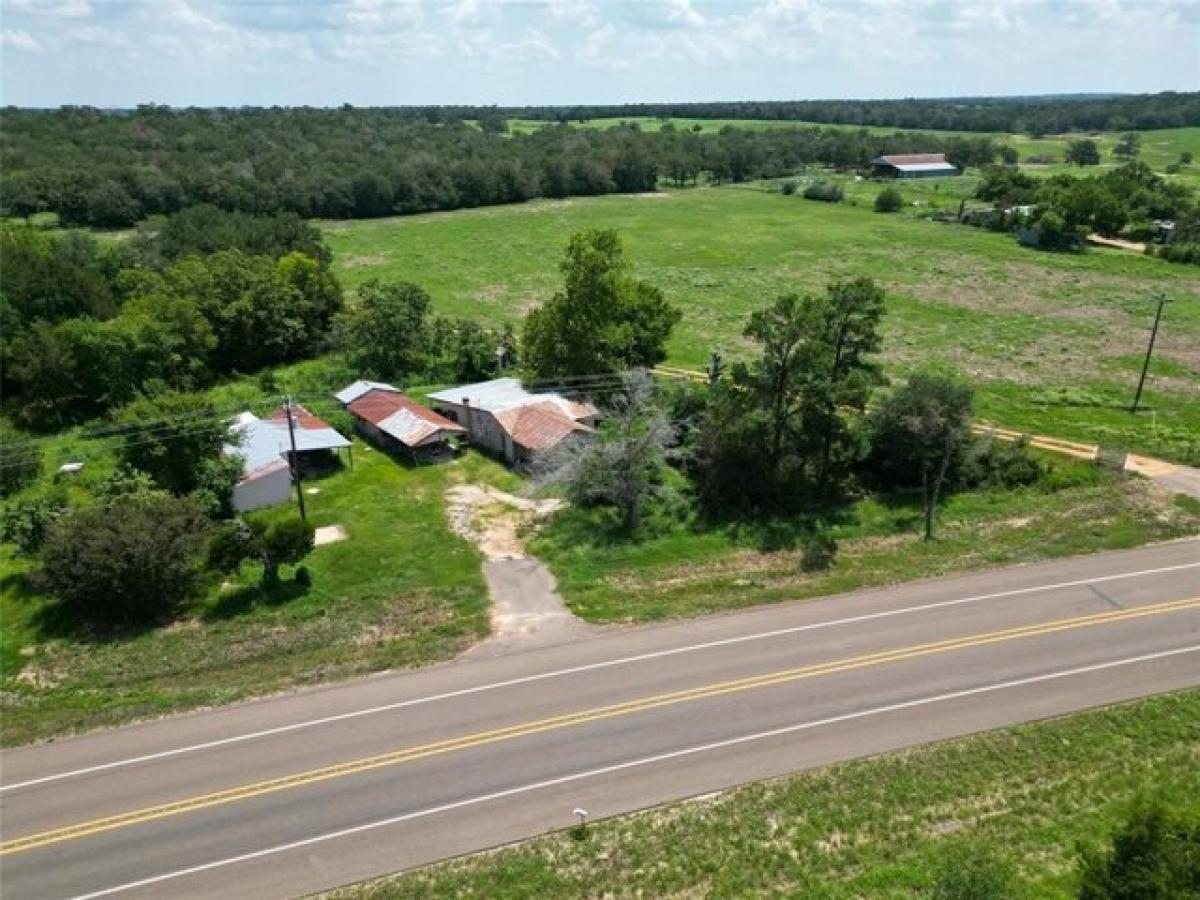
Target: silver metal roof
352, 392
502, 394
263, 443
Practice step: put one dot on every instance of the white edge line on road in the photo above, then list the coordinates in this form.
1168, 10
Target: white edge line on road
574, 670
631, 764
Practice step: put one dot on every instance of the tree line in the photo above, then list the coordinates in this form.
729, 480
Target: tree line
113, 169
88, 326
1032, 115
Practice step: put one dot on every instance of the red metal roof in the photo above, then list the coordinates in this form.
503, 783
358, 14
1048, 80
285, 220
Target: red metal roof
401, 417
915, 159
538, 426
303, 418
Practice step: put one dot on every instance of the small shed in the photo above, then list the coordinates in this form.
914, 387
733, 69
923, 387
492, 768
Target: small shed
392, 420
914, 165
265, 448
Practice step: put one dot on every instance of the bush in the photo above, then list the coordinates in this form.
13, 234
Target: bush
889, 200
820, 551
285, 542
1180, 252
26, 521
135, 562
1155, 853
1008, 464
787, 188
823, 191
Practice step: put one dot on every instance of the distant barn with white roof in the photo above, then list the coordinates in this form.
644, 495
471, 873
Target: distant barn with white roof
914, 165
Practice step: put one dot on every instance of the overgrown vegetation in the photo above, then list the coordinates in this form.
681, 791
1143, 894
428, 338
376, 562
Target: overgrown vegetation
88, 326
1002, 813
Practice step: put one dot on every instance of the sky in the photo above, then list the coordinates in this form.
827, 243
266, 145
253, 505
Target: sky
121, 53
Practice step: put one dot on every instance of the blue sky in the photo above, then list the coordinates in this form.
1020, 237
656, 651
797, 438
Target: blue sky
513, 52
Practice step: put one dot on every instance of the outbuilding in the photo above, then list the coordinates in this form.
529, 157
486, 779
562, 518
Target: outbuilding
392, 420
914, 165
512, 422
265, 448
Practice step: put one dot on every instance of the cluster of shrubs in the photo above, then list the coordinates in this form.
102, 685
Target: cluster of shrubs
889, 200
824, 191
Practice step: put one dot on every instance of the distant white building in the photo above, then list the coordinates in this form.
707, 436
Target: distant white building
914, 165
264, 446
502, 416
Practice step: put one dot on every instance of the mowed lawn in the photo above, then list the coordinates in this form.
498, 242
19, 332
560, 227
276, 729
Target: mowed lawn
1033, 796
402, 590
1053, 342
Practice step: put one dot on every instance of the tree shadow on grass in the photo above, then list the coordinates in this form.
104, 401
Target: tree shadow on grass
782, 529
244, 598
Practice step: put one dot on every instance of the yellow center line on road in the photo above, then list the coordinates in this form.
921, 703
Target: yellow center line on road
353, 767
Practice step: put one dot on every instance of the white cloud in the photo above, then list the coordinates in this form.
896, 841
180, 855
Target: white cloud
98, 36
532, 47
582, 13
19, 39
681, 12
62, 9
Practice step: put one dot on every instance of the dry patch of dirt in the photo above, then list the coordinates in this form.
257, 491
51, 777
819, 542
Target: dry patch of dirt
495, 520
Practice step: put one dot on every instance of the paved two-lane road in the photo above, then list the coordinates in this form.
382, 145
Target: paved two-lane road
297, 793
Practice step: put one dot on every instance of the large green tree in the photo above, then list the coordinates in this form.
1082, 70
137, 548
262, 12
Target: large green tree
387, 332
604, 320
1083, 152
173, 438
922, 429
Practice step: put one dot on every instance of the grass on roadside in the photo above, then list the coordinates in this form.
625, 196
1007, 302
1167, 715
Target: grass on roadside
874, 828
688, 568
401, 591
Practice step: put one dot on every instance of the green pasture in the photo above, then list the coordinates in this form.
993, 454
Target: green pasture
1051, 341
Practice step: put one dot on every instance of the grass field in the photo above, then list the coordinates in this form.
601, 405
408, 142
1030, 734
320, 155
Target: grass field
688, 568
1052, 341
877, 828
401, 591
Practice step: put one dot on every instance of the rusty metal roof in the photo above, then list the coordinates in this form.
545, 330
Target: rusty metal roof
402, 417
539, 426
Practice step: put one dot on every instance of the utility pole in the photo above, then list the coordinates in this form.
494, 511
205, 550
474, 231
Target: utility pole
294, 460
1162, 300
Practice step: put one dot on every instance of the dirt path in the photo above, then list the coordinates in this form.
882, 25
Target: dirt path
526, 608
